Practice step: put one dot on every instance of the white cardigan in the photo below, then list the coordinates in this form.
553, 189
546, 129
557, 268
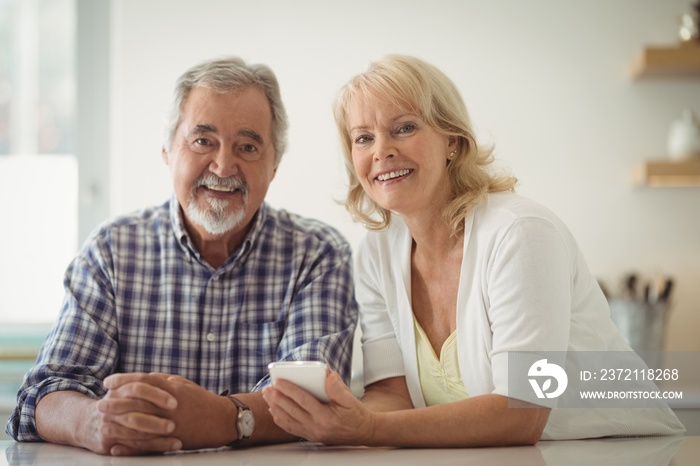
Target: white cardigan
524, 286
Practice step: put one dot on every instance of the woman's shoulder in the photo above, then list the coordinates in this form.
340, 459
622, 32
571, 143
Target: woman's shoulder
506, 208
523, 220
516, 204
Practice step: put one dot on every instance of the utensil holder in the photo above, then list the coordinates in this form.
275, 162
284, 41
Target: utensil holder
642, 325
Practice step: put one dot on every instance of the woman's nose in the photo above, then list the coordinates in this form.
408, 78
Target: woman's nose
384, 148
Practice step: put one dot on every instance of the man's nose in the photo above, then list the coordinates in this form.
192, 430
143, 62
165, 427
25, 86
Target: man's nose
224, 162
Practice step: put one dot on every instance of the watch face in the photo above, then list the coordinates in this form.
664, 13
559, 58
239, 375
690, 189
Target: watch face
246, 423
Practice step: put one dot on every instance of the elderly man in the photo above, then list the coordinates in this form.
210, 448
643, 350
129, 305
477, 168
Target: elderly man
168, 307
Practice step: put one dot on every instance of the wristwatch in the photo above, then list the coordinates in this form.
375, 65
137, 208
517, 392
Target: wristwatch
245, 421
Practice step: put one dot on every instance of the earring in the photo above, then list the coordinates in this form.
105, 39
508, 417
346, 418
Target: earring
452, 154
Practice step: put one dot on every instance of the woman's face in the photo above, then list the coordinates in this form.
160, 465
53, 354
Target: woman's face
400, 161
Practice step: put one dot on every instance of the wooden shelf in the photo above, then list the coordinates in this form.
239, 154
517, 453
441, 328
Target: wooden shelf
667, 173
682, 60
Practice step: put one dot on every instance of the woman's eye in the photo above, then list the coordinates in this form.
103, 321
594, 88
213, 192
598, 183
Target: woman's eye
362, 139
407, 128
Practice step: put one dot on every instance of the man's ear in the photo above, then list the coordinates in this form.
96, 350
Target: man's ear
274, 170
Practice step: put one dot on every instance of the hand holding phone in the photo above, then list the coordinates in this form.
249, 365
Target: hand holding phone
309, 375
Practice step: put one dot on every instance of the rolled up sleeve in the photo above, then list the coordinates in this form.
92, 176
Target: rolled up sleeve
79, 352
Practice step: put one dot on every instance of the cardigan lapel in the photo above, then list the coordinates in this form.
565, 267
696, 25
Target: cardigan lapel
401, 264
402, 270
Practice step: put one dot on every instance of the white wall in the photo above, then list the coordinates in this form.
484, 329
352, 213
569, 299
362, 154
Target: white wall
39, 239
547, 80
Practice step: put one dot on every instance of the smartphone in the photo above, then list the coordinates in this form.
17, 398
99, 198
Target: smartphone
309, 375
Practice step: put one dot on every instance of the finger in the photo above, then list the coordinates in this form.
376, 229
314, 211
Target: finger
271, 396
280, 417
139, 447
283, 404
337, 391
143, 416
146, 392
305, 400
288, 424
113, 405
179, 379
116, 380
123, 450
146, 423
277, 401
116, 433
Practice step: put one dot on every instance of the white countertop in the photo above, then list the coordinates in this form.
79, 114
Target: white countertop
683, 451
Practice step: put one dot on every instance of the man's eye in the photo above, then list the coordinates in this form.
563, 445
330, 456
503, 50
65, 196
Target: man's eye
202, 142
249, 152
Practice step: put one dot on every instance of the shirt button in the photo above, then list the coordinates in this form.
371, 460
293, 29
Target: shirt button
210, 337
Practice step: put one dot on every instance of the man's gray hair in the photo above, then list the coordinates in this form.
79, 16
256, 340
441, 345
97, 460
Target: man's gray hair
230, 74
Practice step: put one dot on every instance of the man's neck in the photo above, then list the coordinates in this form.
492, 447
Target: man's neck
215, 252
216, 249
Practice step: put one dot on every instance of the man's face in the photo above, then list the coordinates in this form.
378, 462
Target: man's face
222, 159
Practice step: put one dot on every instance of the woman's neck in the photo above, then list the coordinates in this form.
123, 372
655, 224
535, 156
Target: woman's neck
433, 237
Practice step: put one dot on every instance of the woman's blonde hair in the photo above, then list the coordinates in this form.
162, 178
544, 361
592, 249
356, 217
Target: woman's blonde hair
418, 87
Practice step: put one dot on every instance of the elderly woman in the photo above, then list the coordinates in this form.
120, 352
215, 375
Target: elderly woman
456, 272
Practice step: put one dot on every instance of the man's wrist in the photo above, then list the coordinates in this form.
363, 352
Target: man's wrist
65, 417
227, 423
242, 420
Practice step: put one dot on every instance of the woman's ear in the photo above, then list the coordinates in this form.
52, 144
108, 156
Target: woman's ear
452, 142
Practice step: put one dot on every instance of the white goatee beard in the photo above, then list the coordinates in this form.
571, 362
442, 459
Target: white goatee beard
216, 220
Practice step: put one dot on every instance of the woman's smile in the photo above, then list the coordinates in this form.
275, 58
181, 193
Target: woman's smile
394, 175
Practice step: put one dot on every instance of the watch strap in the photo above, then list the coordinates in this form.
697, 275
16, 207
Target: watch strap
240, 406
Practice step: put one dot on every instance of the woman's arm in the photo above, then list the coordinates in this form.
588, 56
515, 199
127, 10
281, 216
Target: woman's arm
386, 417
387, 395
510, 425
486, 420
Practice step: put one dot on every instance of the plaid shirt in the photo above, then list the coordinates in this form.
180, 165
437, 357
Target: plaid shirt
140, 298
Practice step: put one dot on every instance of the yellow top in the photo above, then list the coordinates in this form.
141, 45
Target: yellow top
440, 378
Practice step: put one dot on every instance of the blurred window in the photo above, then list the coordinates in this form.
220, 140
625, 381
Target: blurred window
38, 169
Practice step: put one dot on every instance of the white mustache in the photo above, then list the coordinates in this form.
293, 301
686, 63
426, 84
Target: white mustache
231, 182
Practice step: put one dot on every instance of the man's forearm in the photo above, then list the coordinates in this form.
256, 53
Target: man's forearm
61, 417
72, 418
